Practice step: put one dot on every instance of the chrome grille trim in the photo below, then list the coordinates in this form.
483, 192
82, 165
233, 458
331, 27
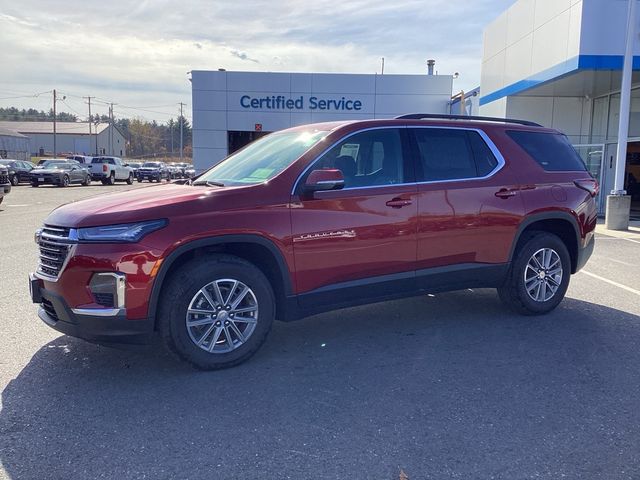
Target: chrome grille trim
56, 246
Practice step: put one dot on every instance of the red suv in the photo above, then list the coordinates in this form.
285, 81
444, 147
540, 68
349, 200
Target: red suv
321, 217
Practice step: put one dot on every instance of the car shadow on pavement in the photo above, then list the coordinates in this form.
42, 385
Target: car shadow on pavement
450, 386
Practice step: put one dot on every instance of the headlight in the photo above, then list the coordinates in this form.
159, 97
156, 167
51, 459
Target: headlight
126, 232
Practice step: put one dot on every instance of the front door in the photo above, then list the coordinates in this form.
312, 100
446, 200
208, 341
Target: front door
360, 240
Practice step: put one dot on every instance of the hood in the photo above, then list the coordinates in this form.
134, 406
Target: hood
46, 170
147, 203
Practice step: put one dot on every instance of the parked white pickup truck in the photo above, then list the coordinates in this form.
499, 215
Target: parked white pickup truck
109, 170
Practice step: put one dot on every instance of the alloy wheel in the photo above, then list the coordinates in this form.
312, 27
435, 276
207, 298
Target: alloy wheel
222, 315
543, 274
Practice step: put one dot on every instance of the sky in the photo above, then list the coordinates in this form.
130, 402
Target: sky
138, 54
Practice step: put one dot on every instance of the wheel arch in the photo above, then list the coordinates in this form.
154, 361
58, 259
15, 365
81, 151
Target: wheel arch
562, 224
261, 252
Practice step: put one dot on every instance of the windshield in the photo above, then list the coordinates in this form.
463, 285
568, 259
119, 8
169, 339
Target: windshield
151, 164
52, 164
263, 159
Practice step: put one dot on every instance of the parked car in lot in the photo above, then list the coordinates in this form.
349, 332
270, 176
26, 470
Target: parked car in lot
18, 170
60, 172
81, 159
110, 170
153, 171
135, 166
174, 171
5, 183
182, 166
320, 217
189, 172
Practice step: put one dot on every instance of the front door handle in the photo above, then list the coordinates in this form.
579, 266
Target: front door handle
398, 202
504, 193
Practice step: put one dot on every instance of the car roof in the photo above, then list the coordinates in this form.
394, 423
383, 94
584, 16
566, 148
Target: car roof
472, 122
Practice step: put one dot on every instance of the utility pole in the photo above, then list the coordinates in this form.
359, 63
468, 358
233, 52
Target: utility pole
89, 100
618, 202
171, 135
55, 149
111, 128
181, 125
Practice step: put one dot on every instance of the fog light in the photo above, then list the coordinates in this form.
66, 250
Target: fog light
108, 289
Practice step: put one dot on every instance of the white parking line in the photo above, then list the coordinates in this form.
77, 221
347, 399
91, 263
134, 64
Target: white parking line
611, 282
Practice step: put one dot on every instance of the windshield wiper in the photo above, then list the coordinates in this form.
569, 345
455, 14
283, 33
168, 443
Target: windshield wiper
208, 183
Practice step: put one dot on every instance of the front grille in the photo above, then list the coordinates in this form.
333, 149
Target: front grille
54, 248
50, 309
4, 178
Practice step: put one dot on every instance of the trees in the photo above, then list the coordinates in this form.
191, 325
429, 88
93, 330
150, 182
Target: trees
143, 137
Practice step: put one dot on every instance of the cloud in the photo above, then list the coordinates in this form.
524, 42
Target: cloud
242, 56
141, 54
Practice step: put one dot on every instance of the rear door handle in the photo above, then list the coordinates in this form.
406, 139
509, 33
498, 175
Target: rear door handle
398, 202
504, 193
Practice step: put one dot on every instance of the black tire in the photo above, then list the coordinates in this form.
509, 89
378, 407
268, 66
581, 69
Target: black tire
87, 181
139, 180
65, 181
15, 180
514, 292
111, 180
184, 284
35, 184
130, 179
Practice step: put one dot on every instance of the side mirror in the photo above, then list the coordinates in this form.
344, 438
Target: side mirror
326, 179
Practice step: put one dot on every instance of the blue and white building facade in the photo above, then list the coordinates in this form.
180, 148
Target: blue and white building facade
559, 63
232, 108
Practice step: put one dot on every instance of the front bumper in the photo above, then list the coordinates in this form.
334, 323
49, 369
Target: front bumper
97, 325
4, 189
47, 179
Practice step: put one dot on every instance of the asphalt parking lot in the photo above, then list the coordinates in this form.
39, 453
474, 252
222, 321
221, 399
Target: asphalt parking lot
444, 386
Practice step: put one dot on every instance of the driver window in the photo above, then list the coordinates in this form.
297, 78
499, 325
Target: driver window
368, 159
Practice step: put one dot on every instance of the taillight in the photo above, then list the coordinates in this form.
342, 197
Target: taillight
590, 185
104, 167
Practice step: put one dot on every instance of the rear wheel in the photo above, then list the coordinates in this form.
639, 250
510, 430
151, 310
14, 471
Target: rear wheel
216, 313
539, 275
112, 179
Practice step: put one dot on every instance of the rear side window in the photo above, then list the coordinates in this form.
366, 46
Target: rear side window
552, 151
452, 154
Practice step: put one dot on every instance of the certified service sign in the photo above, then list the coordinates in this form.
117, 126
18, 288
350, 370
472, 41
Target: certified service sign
302, 102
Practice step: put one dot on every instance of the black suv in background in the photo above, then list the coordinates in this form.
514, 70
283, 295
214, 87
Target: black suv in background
18, 170
153, 171
5, 185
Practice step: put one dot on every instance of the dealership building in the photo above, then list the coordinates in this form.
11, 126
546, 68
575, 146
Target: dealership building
559, 63
555, 62
230, 109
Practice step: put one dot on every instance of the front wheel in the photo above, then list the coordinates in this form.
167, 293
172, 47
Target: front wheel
65, 181
130, 179
539, 275
87, 181
15, 180
216, 313
35, 184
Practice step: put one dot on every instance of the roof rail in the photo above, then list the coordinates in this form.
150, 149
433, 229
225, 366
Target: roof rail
422, 116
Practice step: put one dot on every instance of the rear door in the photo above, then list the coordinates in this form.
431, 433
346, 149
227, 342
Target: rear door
469, 204
359, 241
